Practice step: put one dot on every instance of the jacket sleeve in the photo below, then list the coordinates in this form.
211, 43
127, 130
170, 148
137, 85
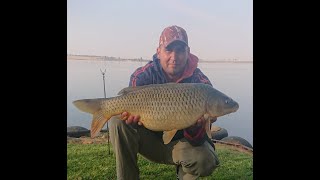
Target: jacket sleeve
141, 76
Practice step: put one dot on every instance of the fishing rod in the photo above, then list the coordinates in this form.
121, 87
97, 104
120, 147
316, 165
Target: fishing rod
104, 90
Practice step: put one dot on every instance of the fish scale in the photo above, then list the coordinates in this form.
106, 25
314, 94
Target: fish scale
160, 111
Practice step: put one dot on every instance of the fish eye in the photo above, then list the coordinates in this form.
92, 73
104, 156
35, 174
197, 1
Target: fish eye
227, 101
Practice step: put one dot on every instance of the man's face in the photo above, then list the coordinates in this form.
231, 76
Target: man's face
173, 58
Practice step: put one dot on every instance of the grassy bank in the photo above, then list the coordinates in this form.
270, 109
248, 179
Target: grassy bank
92, 161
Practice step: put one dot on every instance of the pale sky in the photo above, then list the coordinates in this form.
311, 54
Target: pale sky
217, 29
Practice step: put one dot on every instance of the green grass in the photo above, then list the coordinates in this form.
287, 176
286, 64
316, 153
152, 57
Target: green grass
92, 161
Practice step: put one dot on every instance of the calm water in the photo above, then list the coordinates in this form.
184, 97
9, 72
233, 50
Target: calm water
85, 80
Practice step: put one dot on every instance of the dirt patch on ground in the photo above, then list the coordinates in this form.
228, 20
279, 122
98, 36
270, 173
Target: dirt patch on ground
102, 138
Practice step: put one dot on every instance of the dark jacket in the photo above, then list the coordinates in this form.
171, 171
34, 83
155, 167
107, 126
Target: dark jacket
152, 73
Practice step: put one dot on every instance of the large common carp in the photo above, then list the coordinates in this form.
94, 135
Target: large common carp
162, 107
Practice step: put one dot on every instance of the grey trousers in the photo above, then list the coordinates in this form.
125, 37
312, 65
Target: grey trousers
127, 142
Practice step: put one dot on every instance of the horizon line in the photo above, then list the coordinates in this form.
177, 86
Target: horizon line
141, 59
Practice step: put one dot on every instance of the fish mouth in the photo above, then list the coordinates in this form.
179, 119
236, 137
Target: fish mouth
236, 107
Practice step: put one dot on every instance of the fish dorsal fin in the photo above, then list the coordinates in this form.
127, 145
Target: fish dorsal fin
136, 88
130, 89
168, 135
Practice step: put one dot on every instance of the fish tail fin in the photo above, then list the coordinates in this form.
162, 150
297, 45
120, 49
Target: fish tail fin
98, 121
89, 105
93, 106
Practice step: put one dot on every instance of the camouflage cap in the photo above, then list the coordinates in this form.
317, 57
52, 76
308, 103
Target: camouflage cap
171, 34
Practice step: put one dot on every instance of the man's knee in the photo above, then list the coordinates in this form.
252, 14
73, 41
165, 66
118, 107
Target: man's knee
201, 166
200, 161
207, 164
115, 122
118, 126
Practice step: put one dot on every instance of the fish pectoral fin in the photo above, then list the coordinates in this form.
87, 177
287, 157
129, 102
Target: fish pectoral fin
206, 116
98, 121
207, 128
207, 125
168, 135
